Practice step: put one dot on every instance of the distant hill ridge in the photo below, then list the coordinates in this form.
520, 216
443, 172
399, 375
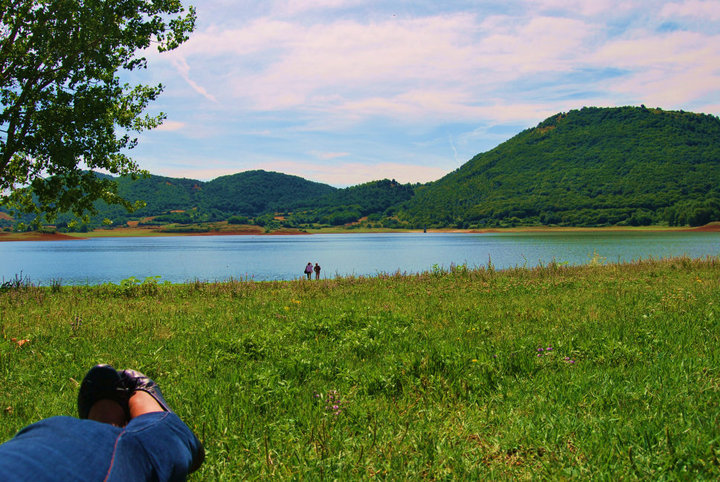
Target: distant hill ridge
587, 167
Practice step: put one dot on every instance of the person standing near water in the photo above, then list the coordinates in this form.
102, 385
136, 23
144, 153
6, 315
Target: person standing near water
317, 271
308, 270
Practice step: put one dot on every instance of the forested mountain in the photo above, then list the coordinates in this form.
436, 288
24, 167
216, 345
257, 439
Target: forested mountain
252, 196
248, 193
252, 193
587, 167
594, 166
161, 195
376, 199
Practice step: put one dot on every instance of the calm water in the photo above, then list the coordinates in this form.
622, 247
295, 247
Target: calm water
217, 258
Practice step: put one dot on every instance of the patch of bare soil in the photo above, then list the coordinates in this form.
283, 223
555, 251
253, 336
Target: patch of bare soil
36, 237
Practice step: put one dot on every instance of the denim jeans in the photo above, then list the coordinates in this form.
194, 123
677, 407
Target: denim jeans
155, 446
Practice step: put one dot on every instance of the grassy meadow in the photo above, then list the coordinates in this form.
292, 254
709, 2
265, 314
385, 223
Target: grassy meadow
598, 371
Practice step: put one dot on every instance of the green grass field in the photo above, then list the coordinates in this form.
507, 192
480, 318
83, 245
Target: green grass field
598, 371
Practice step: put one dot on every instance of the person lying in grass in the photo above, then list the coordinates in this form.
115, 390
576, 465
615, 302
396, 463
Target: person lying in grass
125, 431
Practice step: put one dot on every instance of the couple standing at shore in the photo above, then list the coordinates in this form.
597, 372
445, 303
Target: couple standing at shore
309, 270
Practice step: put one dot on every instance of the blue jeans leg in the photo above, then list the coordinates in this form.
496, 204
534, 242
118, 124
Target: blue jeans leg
154, 446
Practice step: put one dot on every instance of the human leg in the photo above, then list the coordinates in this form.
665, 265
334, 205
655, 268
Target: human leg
146, 399
59, 448
68, 448
153, 444
158, 446
172, 450
108, 411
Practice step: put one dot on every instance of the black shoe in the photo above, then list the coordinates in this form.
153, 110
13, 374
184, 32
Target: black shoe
101, 382
133, 381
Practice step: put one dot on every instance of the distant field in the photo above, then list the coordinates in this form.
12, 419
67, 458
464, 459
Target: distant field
220, 229
599, 371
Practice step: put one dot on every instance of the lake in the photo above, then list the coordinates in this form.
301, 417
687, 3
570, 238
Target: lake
218, 258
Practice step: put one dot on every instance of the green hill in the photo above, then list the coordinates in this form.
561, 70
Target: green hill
587, 167
376, 199
252, 193
594, 166
249, 193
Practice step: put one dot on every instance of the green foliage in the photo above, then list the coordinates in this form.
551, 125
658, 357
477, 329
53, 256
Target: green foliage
348, 205
371, 197
132, 287
588, 167
63, 103
238, 220
19, 282
257, 194
252, 193
693, 212
600, 372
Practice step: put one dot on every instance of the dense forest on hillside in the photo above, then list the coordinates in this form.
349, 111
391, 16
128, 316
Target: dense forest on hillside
268, 199
247, 194
253, 193
588, 167
376, 200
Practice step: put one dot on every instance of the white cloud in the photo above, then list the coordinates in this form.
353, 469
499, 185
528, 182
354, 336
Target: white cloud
713, 109
657, 87
542, 44
642, 49
703, 9
170, 126
664, 70
432, 67
328, 155
184, 69
294, 7
584, 7
299, 69
336, 174
352, 173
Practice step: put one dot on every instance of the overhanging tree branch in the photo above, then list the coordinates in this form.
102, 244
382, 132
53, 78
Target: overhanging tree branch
61, 99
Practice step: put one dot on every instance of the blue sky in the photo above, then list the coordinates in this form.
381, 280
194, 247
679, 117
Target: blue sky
348, 91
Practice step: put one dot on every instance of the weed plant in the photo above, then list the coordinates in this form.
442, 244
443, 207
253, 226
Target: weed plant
598, 371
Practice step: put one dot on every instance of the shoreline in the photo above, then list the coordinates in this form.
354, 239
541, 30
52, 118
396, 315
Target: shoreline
256, 231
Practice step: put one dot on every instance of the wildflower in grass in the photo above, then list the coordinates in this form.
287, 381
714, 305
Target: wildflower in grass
333, 402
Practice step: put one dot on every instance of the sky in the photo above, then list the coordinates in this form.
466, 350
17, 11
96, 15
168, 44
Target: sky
350, 91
